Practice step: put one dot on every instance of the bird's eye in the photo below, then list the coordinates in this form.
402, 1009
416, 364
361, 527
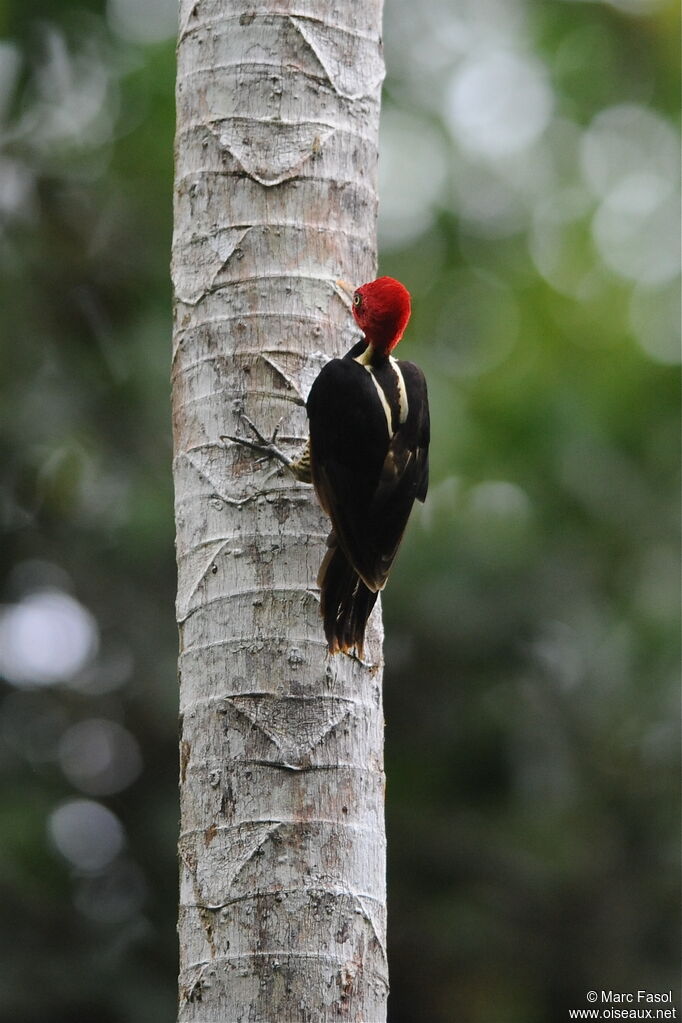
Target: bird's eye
357, 299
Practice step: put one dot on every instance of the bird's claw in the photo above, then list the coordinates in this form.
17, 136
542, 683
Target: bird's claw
267, 448
263, 441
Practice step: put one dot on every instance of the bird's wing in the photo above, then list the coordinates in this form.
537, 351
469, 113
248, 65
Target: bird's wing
367, 476
407, 459
404, 476
349, 439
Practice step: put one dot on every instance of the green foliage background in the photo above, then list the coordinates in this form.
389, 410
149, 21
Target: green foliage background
532, 619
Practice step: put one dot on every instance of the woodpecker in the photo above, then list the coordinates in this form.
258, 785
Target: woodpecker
367, 458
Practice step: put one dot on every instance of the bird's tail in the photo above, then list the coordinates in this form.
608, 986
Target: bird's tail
345, 601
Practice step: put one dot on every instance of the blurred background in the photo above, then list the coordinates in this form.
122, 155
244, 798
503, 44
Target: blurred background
529, 200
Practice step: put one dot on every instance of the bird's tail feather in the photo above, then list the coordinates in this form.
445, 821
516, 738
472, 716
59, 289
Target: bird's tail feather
345, 602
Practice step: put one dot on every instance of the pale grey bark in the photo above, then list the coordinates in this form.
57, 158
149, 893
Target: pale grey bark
282, 849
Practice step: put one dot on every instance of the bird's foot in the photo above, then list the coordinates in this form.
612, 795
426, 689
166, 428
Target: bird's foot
299, 468
267, 448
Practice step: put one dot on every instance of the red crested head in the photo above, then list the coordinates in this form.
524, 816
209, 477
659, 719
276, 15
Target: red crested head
381, 310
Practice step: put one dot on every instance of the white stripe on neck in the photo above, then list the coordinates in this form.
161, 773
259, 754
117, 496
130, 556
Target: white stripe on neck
403, 407
402, 391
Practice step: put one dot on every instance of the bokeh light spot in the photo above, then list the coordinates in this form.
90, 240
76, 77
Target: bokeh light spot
148, 22
636, 230
99, 757
86, 833
499, 103
46, 638
412, 176
624, 141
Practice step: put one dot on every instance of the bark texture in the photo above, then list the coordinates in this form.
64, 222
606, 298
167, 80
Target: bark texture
282, 849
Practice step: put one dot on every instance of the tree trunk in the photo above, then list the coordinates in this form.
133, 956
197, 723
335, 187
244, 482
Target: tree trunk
282, 848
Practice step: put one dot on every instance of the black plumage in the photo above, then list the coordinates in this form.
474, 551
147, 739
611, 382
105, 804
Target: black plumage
368, 467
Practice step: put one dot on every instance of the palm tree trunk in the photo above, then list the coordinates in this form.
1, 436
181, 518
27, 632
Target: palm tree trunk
282, 847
